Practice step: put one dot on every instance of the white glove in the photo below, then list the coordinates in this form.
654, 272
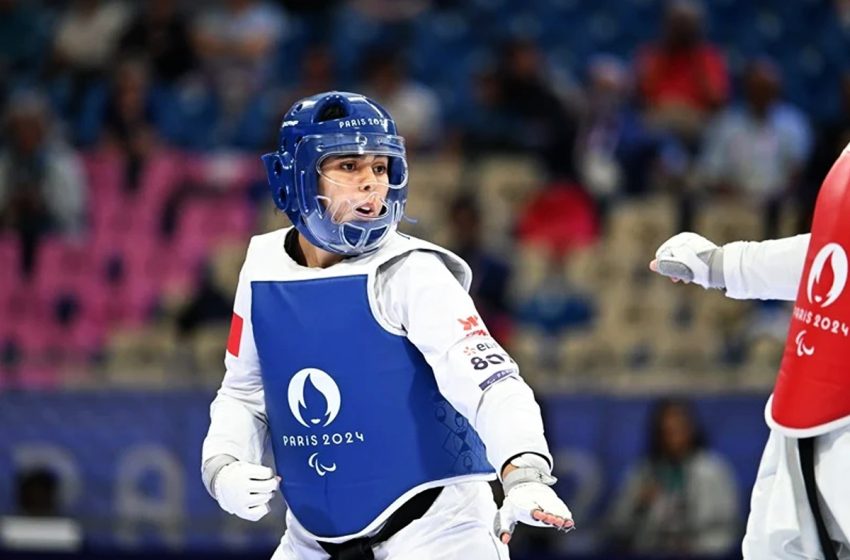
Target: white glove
530, 500
689, 257
244, 489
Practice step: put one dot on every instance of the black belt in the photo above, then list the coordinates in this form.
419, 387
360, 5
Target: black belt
361, 549
807, 465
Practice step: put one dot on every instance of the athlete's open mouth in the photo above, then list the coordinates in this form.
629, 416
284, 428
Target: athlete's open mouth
364, 210
370, 209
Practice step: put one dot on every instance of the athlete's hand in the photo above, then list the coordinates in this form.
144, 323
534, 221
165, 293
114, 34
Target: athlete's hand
687, 257
244, 489
529, 499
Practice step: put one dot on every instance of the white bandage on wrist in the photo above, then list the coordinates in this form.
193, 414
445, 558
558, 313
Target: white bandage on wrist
529, 468
529, 498
211, 469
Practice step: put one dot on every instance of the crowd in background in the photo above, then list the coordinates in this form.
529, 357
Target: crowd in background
130, 179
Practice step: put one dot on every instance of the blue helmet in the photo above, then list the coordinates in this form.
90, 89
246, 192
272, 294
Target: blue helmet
336, 124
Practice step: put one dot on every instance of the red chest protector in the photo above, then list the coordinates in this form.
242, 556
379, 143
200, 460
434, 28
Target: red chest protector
812, 393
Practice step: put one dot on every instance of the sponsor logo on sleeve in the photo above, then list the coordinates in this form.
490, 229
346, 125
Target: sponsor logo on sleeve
498, 376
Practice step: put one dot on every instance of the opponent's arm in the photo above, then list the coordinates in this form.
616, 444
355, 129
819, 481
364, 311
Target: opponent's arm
744, 269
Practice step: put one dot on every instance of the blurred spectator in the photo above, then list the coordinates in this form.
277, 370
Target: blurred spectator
87, 36
682, 78
391, 11
681, 498
561, 217
616, 153
37, 493
831, 138
416, 107
37, 524
527, 94
554, 304
42, 186
207, 306
316, 73
491, 274
22, 38
487, 126
318, 17
160, 33
128, 121
758, 150
236, 44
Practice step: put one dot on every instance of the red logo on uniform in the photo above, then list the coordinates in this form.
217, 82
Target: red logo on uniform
469, 323
235, 337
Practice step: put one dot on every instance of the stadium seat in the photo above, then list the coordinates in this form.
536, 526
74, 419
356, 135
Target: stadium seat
504, 185
725, 221
644, 224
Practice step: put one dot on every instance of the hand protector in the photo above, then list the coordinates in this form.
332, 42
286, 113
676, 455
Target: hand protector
689, 257
244, 489
530, 500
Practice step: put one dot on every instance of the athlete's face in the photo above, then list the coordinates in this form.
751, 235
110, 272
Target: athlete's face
354, 187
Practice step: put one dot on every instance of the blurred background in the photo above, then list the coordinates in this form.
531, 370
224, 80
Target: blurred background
554, 144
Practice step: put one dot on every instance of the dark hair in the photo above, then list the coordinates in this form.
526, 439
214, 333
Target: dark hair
656, 416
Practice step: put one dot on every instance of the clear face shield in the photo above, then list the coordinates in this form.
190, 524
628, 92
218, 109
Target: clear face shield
354, 187
360, 185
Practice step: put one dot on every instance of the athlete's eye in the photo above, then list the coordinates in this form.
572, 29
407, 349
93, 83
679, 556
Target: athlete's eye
348, 165
380, 169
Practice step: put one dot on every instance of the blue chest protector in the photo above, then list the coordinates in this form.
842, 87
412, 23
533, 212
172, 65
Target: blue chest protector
355, 415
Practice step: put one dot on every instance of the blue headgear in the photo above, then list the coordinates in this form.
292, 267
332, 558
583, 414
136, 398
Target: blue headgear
335, 123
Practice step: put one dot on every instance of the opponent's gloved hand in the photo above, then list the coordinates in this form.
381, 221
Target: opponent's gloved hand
244, 489
689, 257
529, 498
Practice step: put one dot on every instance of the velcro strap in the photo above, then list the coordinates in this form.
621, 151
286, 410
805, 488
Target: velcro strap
522, 475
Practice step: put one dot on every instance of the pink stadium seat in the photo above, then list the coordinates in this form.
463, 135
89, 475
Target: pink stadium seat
198, 217
144, 258
85, 336
20, 304
105, 169
194, 168
10, 262
236, 218
162, 175
62, 266
37, 337
127, 304
31, 377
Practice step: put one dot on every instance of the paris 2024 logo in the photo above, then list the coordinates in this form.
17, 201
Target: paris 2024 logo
315, 400
824, 285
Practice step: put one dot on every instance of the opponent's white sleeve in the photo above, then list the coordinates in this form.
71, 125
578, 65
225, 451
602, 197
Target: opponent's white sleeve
765, 269
238, 423
418, 294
